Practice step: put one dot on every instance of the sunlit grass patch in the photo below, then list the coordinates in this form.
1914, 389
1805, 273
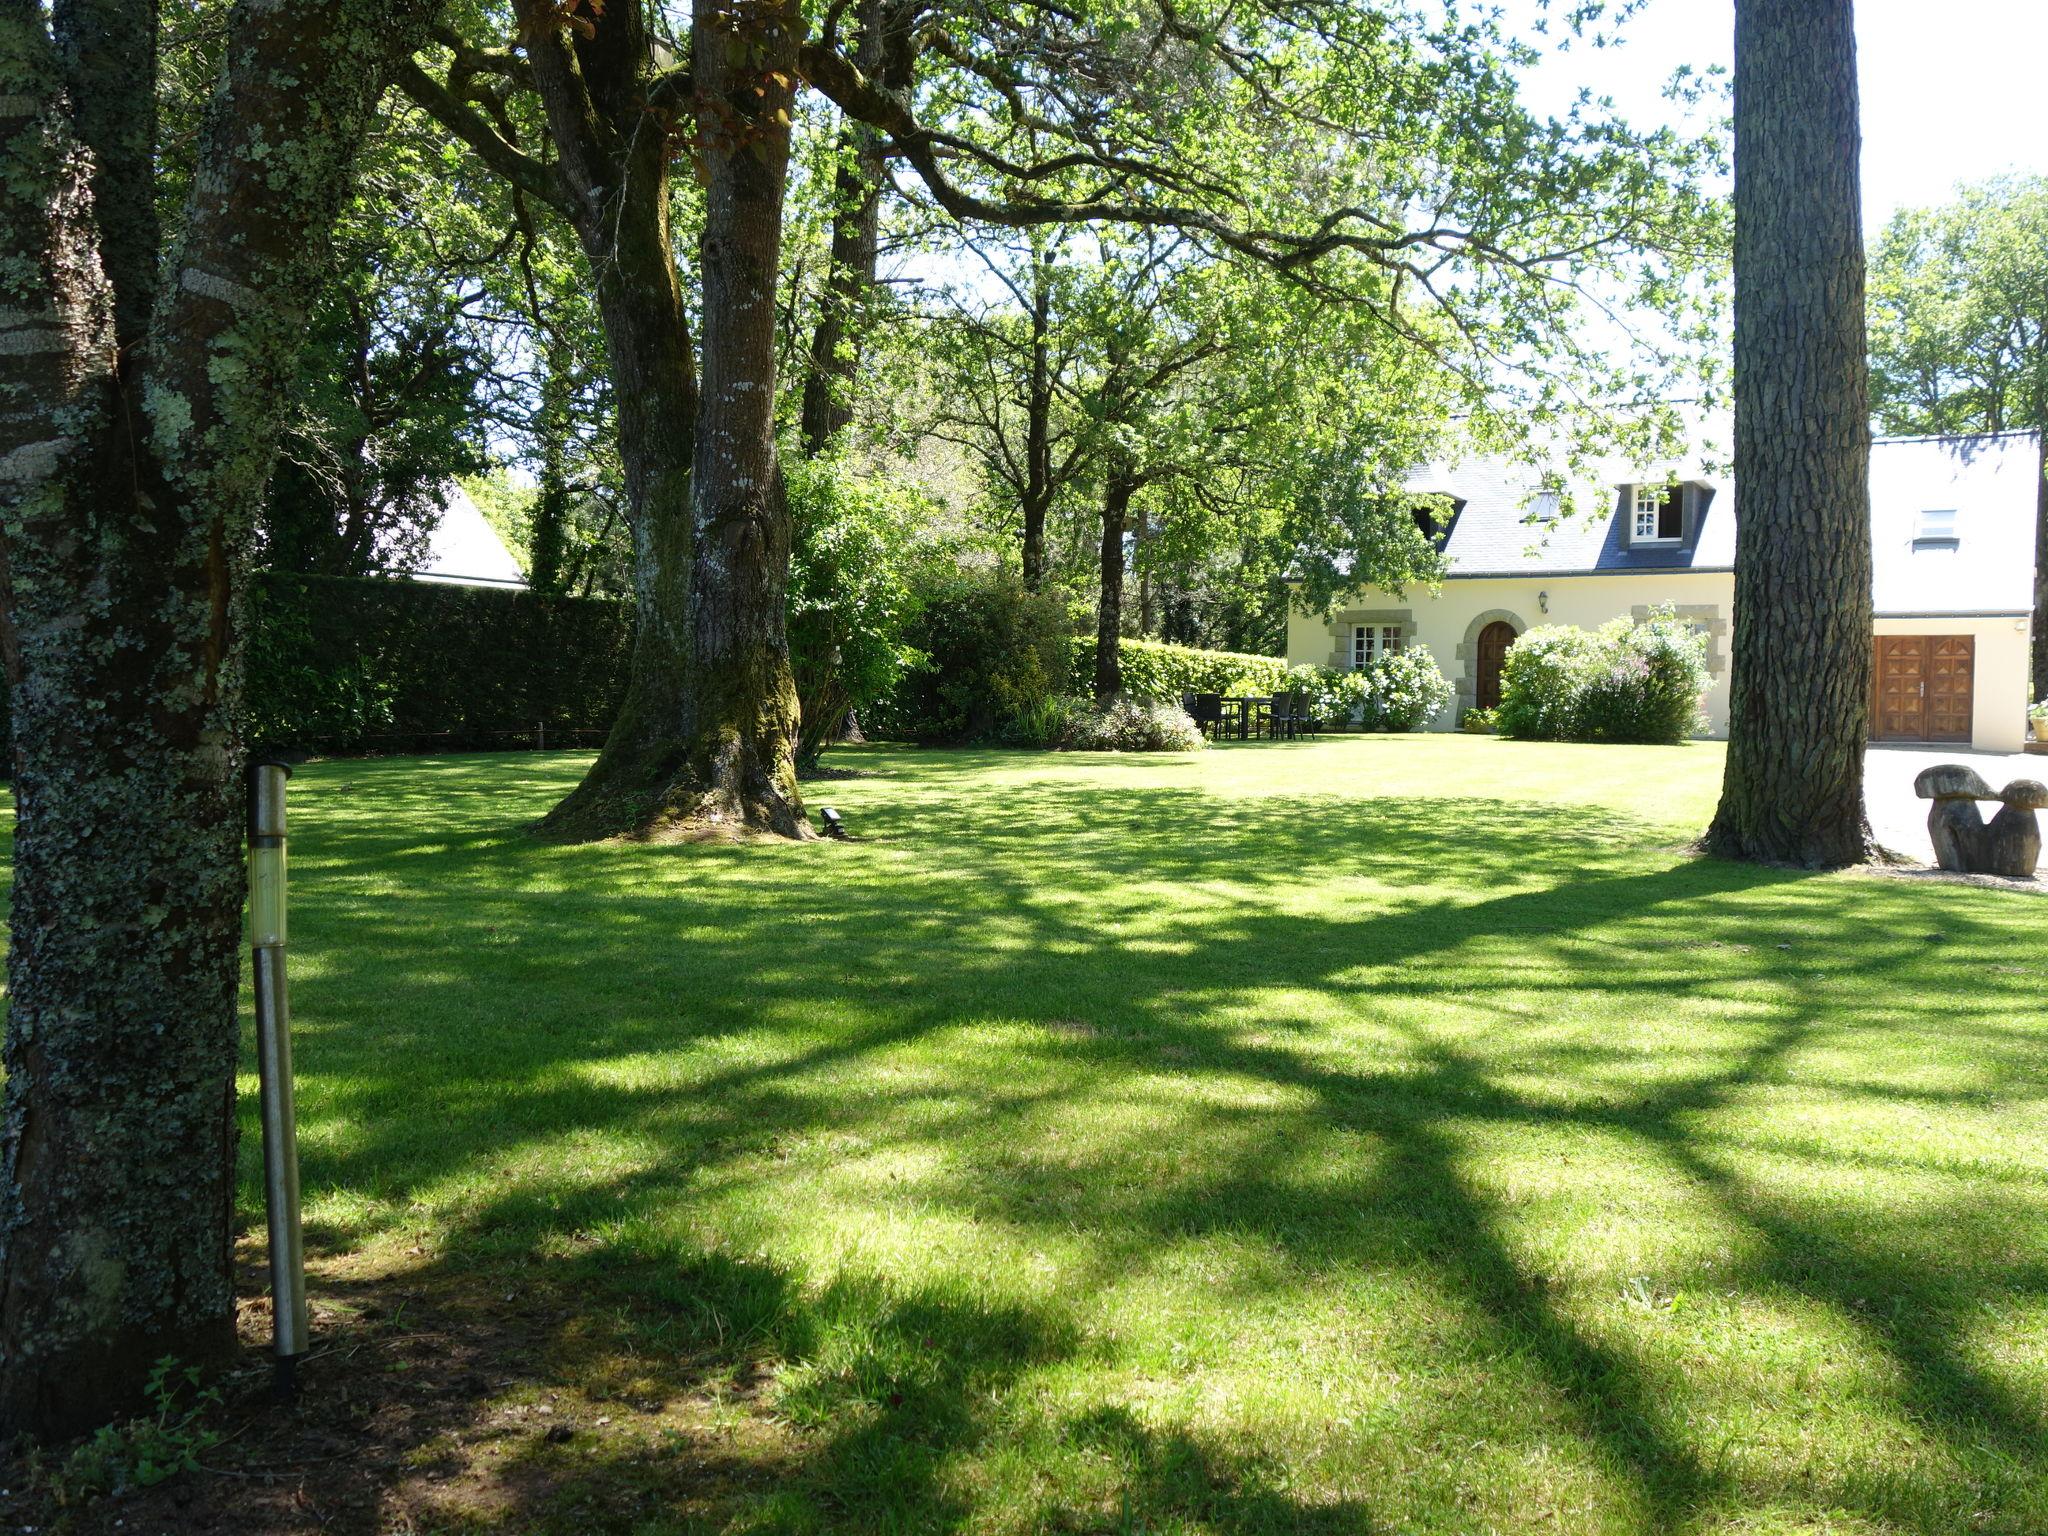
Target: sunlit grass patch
1372, 1134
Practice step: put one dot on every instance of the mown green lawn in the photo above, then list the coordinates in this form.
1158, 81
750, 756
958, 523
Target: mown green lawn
1376, 1134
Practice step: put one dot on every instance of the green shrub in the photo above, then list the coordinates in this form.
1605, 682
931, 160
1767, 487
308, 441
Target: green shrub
983, 654
1624, 682
1155, 670
1132, 725
849, 591
1479, 722
1325, 692
1044, 723
1541, 680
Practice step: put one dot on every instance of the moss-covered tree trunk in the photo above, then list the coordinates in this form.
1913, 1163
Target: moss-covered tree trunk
1801, 678
138, 421
740, 707
610, 182
648, 340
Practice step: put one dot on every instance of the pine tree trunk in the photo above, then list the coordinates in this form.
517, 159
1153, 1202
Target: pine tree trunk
129, 496
1109, 608
1801, 679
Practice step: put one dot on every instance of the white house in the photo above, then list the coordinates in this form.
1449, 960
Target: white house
465, 550
1952, 523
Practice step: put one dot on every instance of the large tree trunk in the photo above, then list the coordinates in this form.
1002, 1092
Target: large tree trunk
654, 380
1109, 607
1801, 680
129, 494
740, 708
617, 202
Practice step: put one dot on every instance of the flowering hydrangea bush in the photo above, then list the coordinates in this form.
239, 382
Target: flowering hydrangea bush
1131, 725
1400, 691
1624, 682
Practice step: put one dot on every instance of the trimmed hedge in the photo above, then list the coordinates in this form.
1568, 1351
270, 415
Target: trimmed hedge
1160, 673
357, 664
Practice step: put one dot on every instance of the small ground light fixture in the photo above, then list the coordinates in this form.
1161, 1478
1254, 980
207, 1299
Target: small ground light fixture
835, 825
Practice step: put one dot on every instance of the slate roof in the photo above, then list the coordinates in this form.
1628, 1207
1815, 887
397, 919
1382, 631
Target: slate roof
1988, 481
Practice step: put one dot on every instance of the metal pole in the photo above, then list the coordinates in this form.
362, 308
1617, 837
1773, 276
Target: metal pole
274, 1065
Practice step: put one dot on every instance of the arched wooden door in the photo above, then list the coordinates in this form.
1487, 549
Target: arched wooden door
1494, 641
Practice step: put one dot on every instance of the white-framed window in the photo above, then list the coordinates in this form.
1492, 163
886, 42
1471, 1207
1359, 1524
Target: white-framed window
1938, 526
1659, 514
1545, 502
1369, 642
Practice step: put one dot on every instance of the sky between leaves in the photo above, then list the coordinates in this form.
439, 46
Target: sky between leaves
1951, 91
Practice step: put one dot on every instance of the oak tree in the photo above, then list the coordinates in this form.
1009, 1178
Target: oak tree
143, 385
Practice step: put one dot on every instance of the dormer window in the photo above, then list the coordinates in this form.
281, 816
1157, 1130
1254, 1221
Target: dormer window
1434, 521
1937, 530
1658, 514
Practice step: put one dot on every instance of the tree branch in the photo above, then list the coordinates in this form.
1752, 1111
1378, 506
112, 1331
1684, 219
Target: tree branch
530, 176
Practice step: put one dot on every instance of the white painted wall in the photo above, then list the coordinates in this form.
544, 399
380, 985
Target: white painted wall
465, 549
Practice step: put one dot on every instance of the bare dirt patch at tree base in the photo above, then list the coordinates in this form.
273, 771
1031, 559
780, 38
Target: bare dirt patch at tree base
434, 1402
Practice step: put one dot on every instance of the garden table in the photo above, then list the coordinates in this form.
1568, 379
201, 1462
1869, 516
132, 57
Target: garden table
1241, 715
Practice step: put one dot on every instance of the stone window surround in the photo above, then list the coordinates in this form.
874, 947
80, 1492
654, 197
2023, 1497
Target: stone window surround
1706, 616
1341, 625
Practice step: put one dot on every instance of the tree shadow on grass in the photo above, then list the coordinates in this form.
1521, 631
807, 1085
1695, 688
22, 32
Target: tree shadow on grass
477, 1010
1036, 899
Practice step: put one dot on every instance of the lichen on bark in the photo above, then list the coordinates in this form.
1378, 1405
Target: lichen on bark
133, 472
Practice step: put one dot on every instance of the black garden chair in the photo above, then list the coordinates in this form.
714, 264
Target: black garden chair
1283, 717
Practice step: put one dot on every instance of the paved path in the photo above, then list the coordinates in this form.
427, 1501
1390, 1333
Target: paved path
1899, 818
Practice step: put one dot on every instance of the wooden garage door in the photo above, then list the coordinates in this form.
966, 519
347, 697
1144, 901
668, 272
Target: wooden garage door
1923, 688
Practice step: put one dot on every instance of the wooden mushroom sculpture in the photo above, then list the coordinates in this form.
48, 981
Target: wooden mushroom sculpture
2009, 844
